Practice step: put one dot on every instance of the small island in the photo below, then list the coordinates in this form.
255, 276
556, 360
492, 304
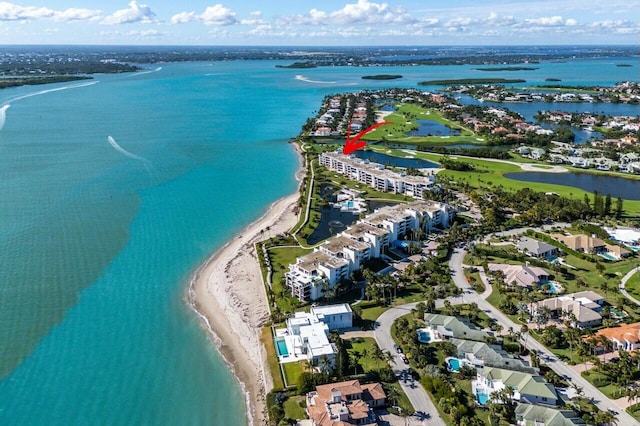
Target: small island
301, 65
506, 69
624, 65
552, 79
32, 81
470, 81
382, 77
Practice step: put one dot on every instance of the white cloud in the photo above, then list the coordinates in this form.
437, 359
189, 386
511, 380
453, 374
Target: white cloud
134, 13
255, 18
617, 26
74, 14
14, 12
362, 12
184, 18
552, 21
145, 33
218, 15
212, 15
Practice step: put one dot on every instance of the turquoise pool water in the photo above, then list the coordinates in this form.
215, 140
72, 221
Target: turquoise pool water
423, 336
454, 364
281, 345
482, 398
608, 256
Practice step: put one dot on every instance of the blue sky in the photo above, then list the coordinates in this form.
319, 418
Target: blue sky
330, 22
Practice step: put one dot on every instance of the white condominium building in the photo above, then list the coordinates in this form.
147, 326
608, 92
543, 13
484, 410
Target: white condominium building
376, 176
337, 257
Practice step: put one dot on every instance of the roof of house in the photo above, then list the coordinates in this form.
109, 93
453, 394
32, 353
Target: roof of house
625, 332
454, 327
524, 383
324, 410
311, 261
549, 416
520, 275
342, 308
579, 242
582, 307
530, 245
491, 355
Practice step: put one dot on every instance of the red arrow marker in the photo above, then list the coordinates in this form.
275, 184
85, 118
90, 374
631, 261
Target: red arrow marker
354, 144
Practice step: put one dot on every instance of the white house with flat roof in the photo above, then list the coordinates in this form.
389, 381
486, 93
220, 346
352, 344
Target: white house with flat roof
306, 334
335, 316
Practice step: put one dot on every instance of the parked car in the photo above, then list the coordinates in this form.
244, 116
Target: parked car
397, 348
405, 359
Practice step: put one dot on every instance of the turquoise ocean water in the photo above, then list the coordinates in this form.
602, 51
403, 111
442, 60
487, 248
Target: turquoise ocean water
111, 195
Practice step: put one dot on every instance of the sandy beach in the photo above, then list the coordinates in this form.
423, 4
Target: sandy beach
228, 294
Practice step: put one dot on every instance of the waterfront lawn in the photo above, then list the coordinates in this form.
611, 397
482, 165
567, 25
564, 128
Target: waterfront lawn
266, 338
294, 408
281, 258
293, 371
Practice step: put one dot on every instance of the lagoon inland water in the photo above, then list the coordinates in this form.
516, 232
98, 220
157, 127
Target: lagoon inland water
616, 186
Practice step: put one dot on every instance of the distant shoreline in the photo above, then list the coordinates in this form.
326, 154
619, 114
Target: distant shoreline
7, 82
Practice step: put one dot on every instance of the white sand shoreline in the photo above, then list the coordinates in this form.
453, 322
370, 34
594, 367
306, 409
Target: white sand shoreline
228, 294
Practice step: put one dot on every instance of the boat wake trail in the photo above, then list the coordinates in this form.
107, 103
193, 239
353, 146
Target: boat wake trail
3, 115
307, 80
136, 74
123, 151
57, 89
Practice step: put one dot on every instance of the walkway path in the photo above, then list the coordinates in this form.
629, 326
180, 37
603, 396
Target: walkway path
418, 397
624, 282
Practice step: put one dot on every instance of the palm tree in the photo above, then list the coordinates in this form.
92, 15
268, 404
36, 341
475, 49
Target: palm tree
354, 358
378, 355
325, 363
535, 359
365, 353
388, 356
524, 330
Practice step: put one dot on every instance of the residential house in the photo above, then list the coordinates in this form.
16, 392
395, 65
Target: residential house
539, 415
627, 236
306, 338
625, 336
581, 243
481, 354
445, 327
521, 275
335, 316
345, 403
535, 248
582, 308
527, 387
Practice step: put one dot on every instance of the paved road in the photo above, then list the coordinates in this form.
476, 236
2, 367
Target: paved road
604, 403
624, 282
417, 395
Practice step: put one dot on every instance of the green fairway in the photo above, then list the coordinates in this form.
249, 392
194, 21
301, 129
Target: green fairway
490, 173
404, 120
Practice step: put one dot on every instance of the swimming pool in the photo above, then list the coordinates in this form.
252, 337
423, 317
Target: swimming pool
554, 287
482, 397
454, 364
281, 346
608, 256
424, 336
